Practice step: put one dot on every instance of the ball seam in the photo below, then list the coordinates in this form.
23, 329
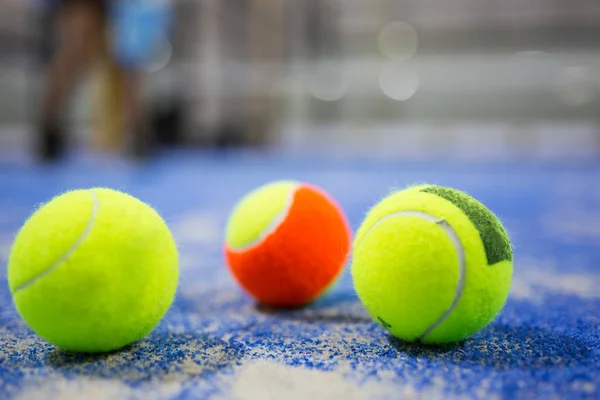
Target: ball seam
460, 252
462, 272
273, 225
69, 252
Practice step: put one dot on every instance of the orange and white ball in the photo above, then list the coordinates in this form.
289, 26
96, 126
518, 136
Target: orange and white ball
286, 243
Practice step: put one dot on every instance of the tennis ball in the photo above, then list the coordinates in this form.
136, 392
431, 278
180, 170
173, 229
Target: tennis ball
432, 264
286, 243
93, 270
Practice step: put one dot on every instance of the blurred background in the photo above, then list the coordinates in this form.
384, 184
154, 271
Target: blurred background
444, 78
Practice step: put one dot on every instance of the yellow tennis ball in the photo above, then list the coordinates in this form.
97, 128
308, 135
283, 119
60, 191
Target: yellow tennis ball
432, 264
93, 270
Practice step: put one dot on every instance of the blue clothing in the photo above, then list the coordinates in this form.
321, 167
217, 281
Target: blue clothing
137, 28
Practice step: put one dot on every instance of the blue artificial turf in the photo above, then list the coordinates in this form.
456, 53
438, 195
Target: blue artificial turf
543, 345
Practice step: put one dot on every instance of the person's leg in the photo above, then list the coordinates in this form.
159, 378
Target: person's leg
78, 23
126, 22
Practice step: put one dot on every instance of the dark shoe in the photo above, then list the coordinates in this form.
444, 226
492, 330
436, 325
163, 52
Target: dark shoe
51, 144
231, 136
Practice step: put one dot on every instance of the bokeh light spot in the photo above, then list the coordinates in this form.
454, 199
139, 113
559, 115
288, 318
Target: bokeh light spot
398, 41
577, 86
327, 82
398, 80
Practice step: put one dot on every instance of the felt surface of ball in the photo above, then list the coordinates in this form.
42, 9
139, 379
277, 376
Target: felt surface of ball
93, 270
286, 243
432, 264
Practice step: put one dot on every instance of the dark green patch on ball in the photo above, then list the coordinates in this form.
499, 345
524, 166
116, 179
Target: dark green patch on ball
493, 235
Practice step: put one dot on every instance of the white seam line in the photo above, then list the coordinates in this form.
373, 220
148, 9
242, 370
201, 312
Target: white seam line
69, 252
460, 252
273, 225
462, 269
